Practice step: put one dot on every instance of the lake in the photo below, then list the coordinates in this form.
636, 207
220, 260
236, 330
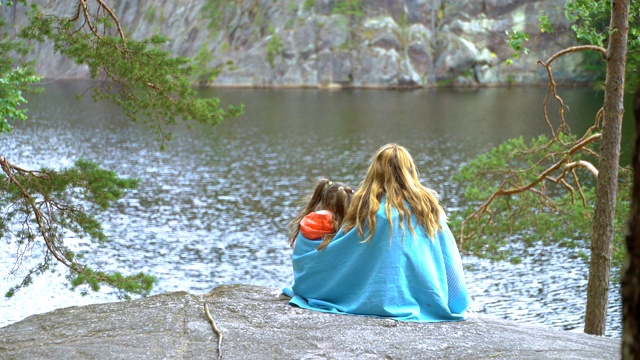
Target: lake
213, 207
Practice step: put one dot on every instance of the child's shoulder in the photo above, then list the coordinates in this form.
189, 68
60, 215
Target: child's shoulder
318, 216
316, 224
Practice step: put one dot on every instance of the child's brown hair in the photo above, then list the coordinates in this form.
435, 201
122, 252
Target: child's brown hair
328, 195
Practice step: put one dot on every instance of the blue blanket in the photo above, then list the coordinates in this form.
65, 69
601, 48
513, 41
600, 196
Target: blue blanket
409, 278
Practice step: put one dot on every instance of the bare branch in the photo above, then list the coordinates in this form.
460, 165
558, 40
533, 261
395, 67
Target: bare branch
77, 15
580, 145
551, 89
115, 20
573, 49
577, 180
584, 164
215, 329
484, 208
87, 18
552, 84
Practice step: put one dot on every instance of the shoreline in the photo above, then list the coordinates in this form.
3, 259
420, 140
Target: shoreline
341, 86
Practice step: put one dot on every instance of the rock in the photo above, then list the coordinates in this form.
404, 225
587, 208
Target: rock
388, 43
334, 33
258, 323
455, 56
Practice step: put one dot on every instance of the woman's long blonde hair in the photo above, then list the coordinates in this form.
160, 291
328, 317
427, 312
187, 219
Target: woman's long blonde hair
393, 172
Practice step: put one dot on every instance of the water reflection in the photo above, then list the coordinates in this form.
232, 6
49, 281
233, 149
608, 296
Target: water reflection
212, 209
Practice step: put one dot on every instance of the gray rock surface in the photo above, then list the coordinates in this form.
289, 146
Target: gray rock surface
389, 43
258, 323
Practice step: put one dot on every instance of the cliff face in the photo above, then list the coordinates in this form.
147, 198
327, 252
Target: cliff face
383, 43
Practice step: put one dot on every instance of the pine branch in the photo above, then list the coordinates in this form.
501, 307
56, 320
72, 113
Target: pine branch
566, 164
34, 199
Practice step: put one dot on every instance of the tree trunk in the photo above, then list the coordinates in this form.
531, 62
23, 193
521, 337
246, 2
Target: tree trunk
607, 187
631, 277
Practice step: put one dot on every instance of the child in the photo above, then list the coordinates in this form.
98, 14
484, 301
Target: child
322, 217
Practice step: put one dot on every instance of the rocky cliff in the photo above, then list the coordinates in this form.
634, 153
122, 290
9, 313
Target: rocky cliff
258, 323
375, 43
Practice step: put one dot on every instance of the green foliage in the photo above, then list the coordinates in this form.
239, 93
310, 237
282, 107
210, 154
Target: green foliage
292, 10
214, 10
139, 283
10, 3
274, 47
38, 213
516, 40
546, 214
403, 21
42, 208
101, 187
591, 25
348, 8
257, 17
292, 7
309, 4
146, 82
200, 63
12, 84
289, 23
15, 79
544, 23
591, 20
150, 14
202, 73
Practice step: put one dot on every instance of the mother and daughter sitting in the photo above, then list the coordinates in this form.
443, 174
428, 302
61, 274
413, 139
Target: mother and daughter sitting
383, 250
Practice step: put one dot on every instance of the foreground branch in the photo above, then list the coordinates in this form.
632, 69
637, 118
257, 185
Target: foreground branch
584, 164
44, 227
573, 49
545, 175
115, 20
565, 164
552, 83
39, 207
82, 5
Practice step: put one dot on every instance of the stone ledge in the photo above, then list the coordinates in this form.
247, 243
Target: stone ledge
257, 323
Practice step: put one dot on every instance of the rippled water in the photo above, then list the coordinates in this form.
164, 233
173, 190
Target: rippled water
212, 209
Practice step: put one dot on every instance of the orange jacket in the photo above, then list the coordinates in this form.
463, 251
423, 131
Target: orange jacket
316, 224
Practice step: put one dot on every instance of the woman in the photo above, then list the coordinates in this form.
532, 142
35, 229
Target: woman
394, 256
